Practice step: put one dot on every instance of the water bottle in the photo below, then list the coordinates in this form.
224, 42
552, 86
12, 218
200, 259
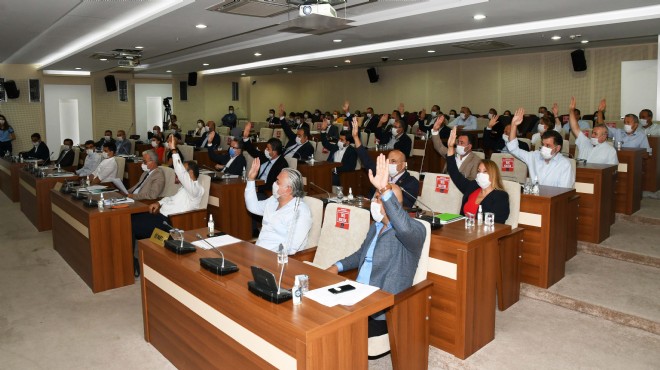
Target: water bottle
296, 291
100, 203
527, 189
350, 194
244, 175
211, 225
535, 188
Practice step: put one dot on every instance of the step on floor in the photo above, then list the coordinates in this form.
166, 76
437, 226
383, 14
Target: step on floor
629, 236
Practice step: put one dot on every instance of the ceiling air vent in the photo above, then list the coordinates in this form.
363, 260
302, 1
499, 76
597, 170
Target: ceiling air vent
252, 8
483, 45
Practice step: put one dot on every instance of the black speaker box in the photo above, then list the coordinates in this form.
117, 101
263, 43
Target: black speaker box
12, 91
579, 62
110, 83
183, 90
192, 79
373, 76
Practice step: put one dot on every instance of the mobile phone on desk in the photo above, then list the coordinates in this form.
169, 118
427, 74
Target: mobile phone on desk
341, 289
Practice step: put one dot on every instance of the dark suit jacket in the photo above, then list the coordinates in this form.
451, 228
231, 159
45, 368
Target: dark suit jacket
497, 143
406, 181
369, 125
404, 144
40, 152
66, 158
235, 168
348, 161
397, 250
99, 144
216, 140
426, 126
275, 170
304, 151
496, 202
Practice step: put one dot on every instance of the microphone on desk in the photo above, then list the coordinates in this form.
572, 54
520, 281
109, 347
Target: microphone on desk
215, 174
323, 190
222, 267
435, 223
179, 248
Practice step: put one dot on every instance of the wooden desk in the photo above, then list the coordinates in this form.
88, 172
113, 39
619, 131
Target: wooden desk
202, 158
433, 162
320, 173
227, 205
462, 266
35, 198
97, 245
595, 184
546, 218
199, 320
629, 181
9, 175
651, 177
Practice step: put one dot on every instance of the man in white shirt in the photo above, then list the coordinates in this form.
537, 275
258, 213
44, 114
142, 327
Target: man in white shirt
92, 159
465, 119
286, 218
596, 149
631, 136
107, 169
646, 120
186, 199
547, 165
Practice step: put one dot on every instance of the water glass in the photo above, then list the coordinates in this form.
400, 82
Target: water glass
489, 219
469, 220
340, 194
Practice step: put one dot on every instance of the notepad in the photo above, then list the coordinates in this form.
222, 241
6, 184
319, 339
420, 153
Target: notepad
217, 241
447, 218
349, 298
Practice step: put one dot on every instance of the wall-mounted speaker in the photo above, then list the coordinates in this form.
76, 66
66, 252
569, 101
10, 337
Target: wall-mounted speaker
35, 91
183, 90
373, 76
110, 83
234, 91
192, 79
12, 91
579, 61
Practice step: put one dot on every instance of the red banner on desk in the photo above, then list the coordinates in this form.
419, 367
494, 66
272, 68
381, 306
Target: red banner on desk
507, 164
343, 218
442, 184
278, 133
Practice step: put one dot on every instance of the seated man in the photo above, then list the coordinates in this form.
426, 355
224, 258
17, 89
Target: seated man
286, 217
342, 152
232, 163
466, 161
210, 125
370, 121
271, 119
390, 253
582, 124
92, 159
396, 169
596, 150
272, 162
646, 119
123, 144
298, 145
427, 122
466, 119
230, 120
631, 136
187, 198
152, 180
107, 138
39, 149
499, 144
547, 165
107, 169
333, 131
67, 154
396, 138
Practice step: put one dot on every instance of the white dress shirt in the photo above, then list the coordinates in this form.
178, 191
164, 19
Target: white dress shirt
339, 154
107, 170
636, 139
602, 153
459, 160
278, 224
653, 129
189, 195
469, 123
91, 163
556, 172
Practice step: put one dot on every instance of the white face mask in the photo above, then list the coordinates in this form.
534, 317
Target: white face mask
546, 153
490, 115
267, 154
505, 137
541, 129
107, 137
66, 147
395, 132
200, 125
335, 116
36, 143
298, 121
462, 115
298, 140
271, 115
390, 121
105, 155
231, 111
434, 113
541, 115
460, 150
392, 170
89, 151
276, 190
154, 144
644, 122
483, 180
452, 116
627, 128
594, 141
120, 138
368, 115
144, 167
340, 145
375, 212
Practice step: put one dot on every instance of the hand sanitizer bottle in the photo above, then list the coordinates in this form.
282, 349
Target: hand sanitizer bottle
100, 203
535, 187
480, 216
350, 194
211, 225
244, 176
296, 291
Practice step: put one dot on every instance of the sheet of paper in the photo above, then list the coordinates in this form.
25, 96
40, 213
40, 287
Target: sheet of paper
119, 185
349, 298
216, 241
60, 174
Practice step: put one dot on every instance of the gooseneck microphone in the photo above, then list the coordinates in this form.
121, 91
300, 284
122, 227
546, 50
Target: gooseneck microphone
218, 266
321, 189
183, 247
435, 223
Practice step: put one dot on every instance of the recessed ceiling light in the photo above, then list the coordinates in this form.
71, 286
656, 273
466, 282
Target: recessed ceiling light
585, 41
168, 71
200, 26
335, 66
347, 61
242, 74
336, 40
478, 17
103, 59
139, 47
285, 68
257, 54
289, 71
205, 64
430, 51
400, 58
78, 68
556, 37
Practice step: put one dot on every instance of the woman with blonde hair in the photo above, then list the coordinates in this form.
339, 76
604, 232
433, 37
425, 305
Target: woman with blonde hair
486, 190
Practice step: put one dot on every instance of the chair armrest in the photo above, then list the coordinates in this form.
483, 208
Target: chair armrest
412, 291
195, 219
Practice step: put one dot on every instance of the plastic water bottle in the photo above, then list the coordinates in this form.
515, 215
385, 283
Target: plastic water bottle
100, 203
535, 187
350, 194
480, 216
211, 225
244, 175
296, 291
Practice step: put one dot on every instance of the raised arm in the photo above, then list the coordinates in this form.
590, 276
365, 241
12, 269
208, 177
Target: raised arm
356, 134
252, 203
575, 128
512, 145
601, 108
435, 137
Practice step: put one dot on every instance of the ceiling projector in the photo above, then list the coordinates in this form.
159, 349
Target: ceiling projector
320, 8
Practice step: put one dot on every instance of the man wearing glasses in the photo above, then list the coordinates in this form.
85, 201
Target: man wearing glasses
152, 181
231, 163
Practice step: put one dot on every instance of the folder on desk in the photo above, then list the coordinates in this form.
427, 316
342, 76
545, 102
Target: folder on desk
447, 218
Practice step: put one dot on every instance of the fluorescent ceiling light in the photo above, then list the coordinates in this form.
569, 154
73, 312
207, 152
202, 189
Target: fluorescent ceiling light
285, 68
336, 40
257, 54
556, 37
479, 17
585, 41
54, 72
200, 26
242, 74
168, 71
139, 47
430, 51
150, 11
77, 68
205, 64
289, 71
547, 25
103, 59
347, 61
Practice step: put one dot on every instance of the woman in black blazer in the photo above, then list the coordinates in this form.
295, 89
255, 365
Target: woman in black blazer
486, 190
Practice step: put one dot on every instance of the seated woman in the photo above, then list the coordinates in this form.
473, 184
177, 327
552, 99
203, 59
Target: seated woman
200, 129
157, 144
486, 190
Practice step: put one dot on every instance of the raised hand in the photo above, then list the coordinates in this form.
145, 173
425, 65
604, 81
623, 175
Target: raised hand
518, 117
325, 124
571, 105
171, 142
401, 108
346, 106
247, 129
254, 169
384, 118
355, 131
211, 136
281, 109
423, 115
451, 141
493, 121
439, 122
602, 106
555, 109
381, 179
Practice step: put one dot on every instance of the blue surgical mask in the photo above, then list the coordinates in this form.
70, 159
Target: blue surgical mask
232, 152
